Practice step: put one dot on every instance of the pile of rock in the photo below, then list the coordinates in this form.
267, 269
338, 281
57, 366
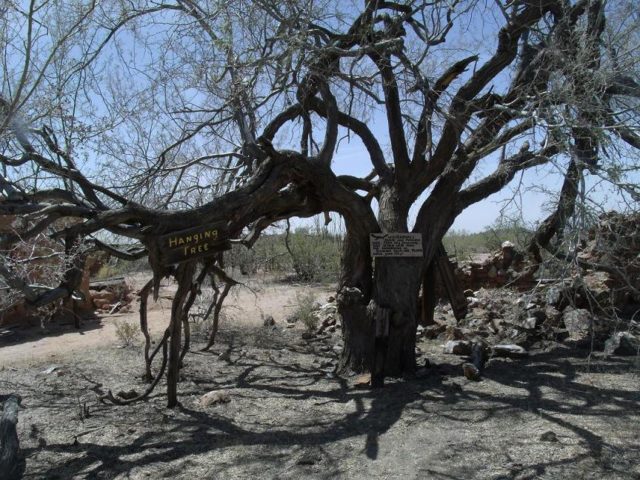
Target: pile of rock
112, 295
610, 255
506, 317
327, 315
497, 270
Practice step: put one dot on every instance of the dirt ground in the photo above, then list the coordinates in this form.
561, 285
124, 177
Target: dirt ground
289, 416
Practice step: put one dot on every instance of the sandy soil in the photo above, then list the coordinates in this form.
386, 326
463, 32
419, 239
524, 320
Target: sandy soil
290, 417
245, 306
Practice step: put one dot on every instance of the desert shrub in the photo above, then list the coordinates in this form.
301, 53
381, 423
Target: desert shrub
304, 312
117, 268
127, 332
463, 244
512, 229
315, 255
242, 258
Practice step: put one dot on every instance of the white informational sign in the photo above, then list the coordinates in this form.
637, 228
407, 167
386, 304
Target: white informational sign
396, 244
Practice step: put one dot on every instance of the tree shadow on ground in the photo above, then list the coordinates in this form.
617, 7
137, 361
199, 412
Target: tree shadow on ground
11, 335
547, 385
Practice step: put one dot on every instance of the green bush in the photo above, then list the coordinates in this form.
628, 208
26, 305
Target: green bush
117, 268
464, 244
127, 332
305, 306
316, 256
313, 255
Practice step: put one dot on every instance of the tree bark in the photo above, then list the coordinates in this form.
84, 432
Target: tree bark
184, 276
397, 284
379, 307
9, 445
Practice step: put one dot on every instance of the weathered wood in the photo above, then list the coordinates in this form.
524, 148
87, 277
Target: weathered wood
441, 271
429, 297
10, 460
382, 320
109, 282
184, 278
454, 290
192, 243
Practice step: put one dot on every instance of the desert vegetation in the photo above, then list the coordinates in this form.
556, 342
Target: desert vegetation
179, 156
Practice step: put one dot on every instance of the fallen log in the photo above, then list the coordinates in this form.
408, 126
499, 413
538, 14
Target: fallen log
10, 458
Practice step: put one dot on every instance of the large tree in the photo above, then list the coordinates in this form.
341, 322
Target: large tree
148, 118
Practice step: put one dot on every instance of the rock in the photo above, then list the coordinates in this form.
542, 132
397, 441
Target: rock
291, 325
457, 347
577, 322
530, 323
453, 333
432, 331
622, 343
215, 397
362, 382
599, 284
419, 331
539, 314
471, 372
291, 319
309, 458
493, 272
508, 351
308, 335
268, 321
331, 299
473, 302
549, 436
553, 295
127, 395
553, 317
50, 369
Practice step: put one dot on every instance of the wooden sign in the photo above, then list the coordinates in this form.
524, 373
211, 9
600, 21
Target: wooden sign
396, 244
197, 242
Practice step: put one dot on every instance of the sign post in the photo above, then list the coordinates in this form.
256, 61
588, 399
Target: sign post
396, 244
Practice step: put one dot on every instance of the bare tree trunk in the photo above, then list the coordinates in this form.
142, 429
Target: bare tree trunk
555, 223
354, 293
184, 276
379, 308
144, 327
397, 284
9, 444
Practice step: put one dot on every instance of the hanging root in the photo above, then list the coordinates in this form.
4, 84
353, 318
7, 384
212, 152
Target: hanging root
144, 328
109, 397
193, 294
216, 315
